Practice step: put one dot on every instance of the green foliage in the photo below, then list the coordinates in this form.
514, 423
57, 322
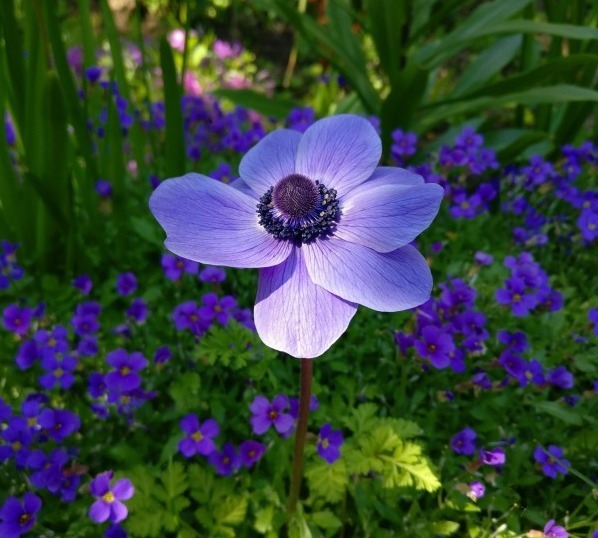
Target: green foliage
418, 43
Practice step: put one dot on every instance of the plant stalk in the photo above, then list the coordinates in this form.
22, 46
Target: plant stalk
304, 399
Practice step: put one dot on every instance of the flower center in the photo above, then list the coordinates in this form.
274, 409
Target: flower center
298, 209
24, 519
108, 497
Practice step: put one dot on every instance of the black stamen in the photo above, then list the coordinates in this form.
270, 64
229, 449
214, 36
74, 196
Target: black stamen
298, 209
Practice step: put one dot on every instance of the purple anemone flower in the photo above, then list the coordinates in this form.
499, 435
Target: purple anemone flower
326, 226
199, 436
19, 517
108, 505
266, 415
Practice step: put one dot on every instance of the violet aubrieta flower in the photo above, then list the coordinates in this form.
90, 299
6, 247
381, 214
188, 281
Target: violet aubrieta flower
59, 423
199, 436
124, 377
435, 345
108, 505
494, 457
163, 354
17, 319
476, 491
266, 414
126, 283
19, 517
552, 530
326, 226
83, 283
463, 442
551, 460
329, 443
225, 461
174, 267
560, 377
212, 274
251, 452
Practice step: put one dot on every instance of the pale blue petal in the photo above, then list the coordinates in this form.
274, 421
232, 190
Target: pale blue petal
388, 282
340, 151
210, 222
294, 315
387, 217
387, 175
270, 160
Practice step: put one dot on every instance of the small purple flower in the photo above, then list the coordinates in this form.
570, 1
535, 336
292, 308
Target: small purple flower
226, 461
174, 267
516, 296
162, 355
199, 436
83, 283
483, 258
215, 308
463, 442
124, 377
404, 145
588, 225
108, 505
436, 345
593, 318
59, 423
560, 377
294, 405
59, 371
93, 73
27, 354
494, 457
19, 517
476, 491
552, 530
18, 438
186, 316
551, 460
115, 531
103, 188
266, 414
17, 319
251, 452
138, 310
329, 443
126, 283
212, 274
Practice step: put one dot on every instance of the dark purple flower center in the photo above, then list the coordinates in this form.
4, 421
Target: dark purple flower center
298, 209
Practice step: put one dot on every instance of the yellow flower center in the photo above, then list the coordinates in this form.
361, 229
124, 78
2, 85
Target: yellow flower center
58, 372
125, 370
516, 297
197, 436
108, 497
16, 446
24, 519
464, 205
31, 422
325, 443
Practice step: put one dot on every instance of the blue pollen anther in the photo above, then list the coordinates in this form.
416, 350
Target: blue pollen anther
298, 209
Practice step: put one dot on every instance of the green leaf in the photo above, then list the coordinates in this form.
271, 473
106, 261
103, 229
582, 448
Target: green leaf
232, 511
444, 528
116, 52
174, 144
325, 519
560, 93
487, 64
275, 107
327, 481
487, 14
184, 390
559, 411
569, 31
263, 520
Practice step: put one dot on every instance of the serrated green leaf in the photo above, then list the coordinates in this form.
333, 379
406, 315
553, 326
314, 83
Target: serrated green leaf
361, 418
325, 519
232, 511
263, 520
201, 483
174, 480
327, 481
184, 390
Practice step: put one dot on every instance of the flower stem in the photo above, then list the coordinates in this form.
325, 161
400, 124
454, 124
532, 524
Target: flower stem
304, 400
